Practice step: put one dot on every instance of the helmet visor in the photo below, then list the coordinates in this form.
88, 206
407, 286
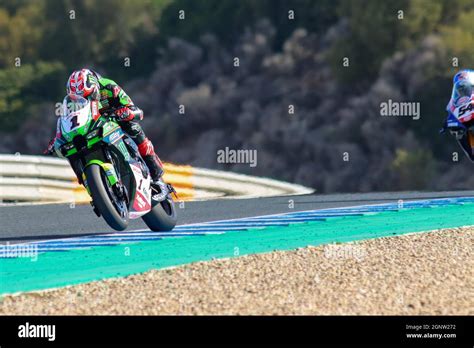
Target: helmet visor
462, 88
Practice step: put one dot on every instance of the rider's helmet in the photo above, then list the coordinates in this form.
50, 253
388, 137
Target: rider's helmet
463, 85
85, 83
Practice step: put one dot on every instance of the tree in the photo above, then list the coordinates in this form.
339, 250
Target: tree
229, 18
102, 34
21, 32
21, 88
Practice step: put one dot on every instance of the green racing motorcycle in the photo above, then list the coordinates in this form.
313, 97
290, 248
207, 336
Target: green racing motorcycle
107, 162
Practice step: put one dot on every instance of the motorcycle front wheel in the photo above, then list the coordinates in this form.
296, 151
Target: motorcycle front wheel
114, 211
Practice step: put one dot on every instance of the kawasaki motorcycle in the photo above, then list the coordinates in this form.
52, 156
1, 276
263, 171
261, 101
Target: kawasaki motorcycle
107, 162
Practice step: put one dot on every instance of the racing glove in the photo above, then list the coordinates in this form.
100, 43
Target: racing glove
129, 113
50, 149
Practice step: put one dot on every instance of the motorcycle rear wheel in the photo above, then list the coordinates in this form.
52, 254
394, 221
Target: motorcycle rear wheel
162, 217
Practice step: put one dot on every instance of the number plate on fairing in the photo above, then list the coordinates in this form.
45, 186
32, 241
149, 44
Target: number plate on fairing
142, 202
465, 112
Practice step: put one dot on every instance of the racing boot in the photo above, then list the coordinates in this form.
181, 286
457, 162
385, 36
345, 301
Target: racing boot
152, 161
160, 188
155, 166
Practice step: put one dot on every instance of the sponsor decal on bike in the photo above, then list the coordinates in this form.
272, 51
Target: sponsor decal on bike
136, 169
114, 136
95, 110
141, 203
124, 151
110, 172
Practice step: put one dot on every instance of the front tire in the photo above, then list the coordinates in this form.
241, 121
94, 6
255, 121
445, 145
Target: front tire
98, 186
162, 217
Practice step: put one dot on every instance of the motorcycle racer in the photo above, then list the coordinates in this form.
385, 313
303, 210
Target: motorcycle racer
110, 96
459, 108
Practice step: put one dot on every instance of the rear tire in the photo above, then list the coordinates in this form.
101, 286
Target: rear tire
163, 217
100, 195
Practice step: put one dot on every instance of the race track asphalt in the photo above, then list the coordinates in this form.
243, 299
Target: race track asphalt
24, 223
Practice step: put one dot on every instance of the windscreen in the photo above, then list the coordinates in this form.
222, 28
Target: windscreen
72, 104
462, 88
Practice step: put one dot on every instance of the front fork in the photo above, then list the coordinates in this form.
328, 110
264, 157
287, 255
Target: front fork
470, 141
112, 178
466, 142
109, 170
